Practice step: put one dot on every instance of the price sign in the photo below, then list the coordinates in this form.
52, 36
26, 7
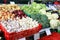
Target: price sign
11, 2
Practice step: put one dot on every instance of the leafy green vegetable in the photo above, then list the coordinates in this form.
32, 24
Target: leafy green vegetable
41, 18
36, 11
34, 7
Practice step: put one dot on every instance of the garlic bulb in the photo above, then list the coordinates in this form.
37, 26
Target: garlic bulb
17, 24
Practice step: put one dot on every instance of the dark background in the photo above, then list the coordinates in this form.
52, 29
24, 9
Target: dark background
24, 1
16, 1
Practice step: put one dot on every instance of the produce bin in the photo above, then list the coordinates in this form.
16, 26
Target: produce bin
53, 36
21, 34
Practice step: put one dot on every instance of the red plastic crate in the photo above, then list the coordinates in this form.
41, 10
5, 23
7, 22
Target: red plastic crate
18, 35
53, 36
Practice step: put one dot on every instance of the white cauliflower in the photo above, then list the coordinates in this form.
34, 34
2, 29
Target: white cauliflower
55, 16
52, 16
49, 15
53, 19
54, 23
42, 11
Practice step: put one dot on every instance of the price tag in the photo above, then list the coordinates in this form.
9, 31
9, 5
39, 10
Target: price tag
11, 2
48, 32
22, 39
36, 36
0, 38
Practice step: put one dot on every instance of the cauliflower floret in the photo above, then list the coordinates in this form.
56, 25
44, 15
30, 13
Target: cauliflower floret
49, 15
42, 11
52, 16
54, 23
55, 16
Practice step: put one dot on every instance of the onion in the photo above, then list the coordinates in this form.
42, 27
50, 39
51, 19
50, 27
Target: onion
19, 13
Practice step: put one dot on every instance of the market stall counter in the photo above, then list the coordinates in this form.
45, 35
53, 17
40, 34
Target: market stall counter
21, 34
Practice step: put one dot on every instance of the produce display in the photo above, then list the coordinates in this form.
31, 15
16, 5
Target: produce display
15, 24
33, 8
10, 11
41, 18
6, 11
16, 19
18, 24
53, 36
54, 22
54, 16
37, 12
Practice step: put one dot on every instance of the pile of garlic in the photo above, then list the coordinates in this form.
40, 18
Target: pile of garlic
18, 25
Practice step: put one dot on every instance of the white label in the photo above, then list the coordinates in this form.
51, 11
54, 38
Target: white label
11, 2
0, 38
22, 39
36, 36
48, 32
